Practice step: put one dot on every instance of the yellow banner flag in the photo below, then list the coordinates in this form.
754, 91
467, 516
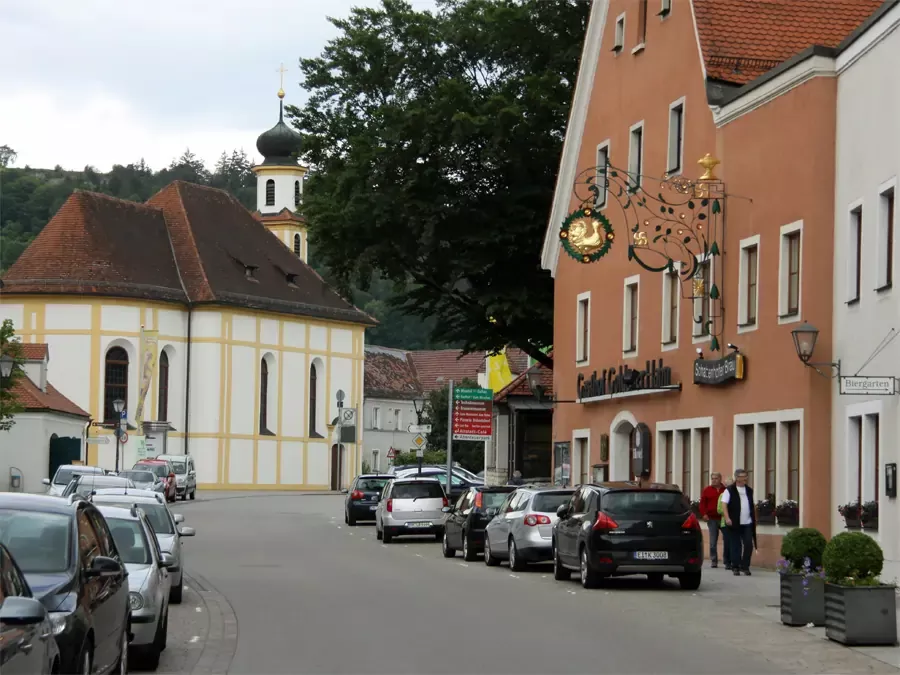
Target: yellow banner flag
498, 372
149, 343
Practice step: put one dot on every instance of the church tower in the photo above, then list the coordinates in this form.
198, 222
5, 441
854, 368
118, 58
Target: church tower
279, 184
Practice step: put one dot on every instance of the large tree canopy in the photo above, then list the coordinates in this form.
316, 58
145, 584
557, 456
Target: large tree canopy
435, 140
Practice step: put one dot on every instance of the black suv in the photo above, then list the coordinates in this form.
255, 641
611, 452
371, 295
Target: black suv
362, 497
613, 529
465, 521
67, 553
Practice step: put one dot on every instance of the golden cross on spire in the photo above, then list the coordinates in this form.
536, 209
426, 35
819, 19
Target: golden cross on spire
281, 71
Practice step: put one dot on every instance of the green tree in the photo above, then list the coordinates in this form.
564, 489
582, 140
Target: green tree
470, 454
7, 156
10, 347
435, 139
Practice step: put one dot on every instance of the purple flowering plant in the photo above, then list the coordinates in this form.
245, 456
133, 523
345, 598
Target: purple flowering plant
807, 570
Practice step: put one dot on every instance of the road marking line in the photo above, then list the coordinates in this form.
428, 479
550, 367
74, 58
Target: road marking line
515, 576
419, 555
199, 609
340, 528
463, 564
196, 638
545, 576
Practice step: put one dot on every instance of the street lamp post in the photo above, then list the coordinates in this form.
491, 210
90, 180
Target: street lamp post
419, 407
118, 406
6, 365
805, 338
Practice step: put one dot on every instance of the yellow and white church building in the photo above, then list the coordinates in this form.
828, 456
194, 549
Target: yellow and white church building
245, 347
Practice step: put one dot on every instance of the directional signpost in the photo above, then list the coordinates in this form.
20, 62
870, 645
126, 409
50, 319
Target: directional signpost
419, 428
472, 414
419, 441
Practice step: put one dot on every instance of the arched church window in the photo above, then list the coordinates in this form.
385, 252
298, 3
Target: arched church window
116, 382
313, 402
296, 193
270, 192
263, 396
162, 413
297, 245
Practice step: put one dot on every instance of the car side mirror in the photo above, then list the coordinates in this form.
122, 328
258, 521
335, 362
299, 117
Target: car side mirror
179, 518
186, 531
563, 510
45, 481
19, 611
167, 560
104, 567
447, 509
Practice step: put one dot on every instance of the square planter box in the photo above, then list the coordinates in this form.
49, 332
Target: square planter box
852, 523
799, 608
861, 615
768, 519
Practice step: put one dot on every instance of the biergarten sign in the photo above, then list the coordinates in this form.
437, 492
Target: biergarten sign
719, 371
654, 378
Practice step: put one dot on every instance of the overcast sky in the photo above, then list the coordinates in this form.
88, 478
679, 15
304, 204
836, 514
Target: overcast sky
111, 81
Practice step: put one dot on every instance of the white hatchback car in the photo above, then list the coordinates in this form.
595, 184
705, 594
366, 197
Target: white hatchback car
410, 506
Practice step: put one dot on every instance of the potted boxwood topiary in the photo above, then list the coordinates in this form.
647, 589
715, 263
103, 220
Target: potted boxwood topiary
859, 609
765, 510
802, 584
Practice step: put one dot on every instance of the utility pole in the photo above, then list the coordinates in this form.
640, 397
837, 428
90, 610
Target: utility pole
449, 438
340, 453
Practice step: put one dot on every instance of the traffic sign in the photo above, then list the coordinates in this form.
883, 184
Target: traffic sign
123, 438
391, 453
472, 414
419, 441
97, 440
420, 452
348, 417
419, 428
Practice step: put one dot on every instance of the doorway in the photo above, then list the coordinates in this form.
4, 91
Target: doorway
337, 452
621, 439
63, 451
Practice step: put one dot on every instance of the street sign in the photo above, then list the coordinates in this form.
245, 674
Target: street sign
420, 453
861, 385
419, 441
123, 438
97, 440
391, 453
348, 417
419, 428
472, 414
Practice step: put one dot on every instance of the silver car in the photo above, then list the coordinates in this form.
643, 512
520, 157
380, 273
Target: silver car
522, 530
144, 480
410, 506
83, 484
165, 526
148, 581
185, 475
64, 475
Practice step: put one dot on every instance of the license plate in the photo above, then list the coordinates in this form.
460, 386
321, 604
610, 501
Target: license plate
418, 524
651, 555
372, 508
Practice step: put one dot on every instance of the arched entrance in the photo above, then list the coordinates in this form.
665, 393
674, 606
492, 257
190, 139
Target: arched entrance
620, 440
338, 459
62, 451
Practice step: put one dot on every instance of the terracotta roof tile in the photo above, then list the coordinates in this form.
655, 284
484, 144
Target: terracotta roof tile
742, 39
284, 214
34, 400
519, 386
34, 351
447, 364
389, 373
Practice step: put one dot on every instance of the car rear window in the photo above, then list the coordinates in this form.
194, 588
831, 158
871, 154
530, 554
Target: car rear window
160, 470
549, 502
645, 501
138, 476
372, 484
493, 500
417, 491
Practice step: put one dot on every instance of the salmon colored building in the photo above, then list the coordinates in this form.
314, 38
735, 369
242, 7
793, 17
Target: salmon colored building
679, 282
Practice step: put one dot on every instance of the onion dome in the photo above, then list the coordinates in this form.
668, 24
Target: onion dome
280, 144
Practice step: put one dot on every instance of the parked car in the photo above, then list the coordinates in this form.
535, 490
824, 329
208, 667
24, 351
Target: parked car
410, 506
185, 475
70, 561
164, 523
145, 479
522, 530
612, 529
165, 470
26, 636
63, 477
465, 521
82, 484
148, 581
362, 497
458, 483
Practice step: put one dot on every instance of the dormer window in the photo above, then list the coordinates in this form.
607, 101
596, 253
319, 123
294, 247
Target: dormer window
270, 192
291, 280
620, 34
250, 272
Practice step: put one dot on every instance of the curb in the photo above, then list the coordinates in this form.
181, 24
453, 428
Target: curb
220, 644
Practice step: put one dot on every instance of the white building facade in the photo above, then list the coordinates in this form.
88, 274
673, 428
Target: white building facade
865, 432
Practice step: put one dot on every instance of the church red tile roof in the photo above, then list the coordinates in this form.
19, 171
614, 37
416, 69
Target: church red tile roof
390, 373
188, 243
742, 39
33, 399
34, 351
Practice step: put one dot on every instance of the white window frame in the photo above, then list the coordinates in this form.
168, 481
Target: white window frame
744, 281
398, 418
580, 320
669, 278
694, 425
780, 418
863, 410
665, 9
619, 36
634, 172
854, 257
639, 47
376, 463
376, 415
633, 280
697, 303
670, 151
784, 270
883, 189
604, 148
575, 459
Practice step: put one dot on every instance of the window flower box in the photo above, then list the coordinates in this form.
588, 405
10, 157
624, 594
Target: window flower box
851, 514
788, 513
868, 516
765, 510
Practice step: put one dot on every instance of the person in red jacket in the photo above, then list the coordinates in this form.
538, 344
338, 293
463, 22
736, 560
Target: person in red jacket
709, 511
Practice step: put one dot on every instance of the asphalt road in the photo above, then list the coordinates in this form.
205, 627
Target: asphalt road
312, 595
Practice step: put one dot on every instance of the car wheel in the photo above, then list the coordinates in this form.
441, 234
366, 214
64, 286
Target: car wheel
445, 547
386, 537
489, 558
151, 653
346, 518
468, 554
176, 592
560, 573
87, 658
690, 581
165, 632
184, 495
656, 578
351, 521
194, 493
516, 564
589, 576
377, 533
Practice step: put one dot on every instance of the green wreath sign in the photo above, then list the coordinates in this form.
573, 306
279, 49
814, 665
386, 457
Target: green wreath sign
586, 235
